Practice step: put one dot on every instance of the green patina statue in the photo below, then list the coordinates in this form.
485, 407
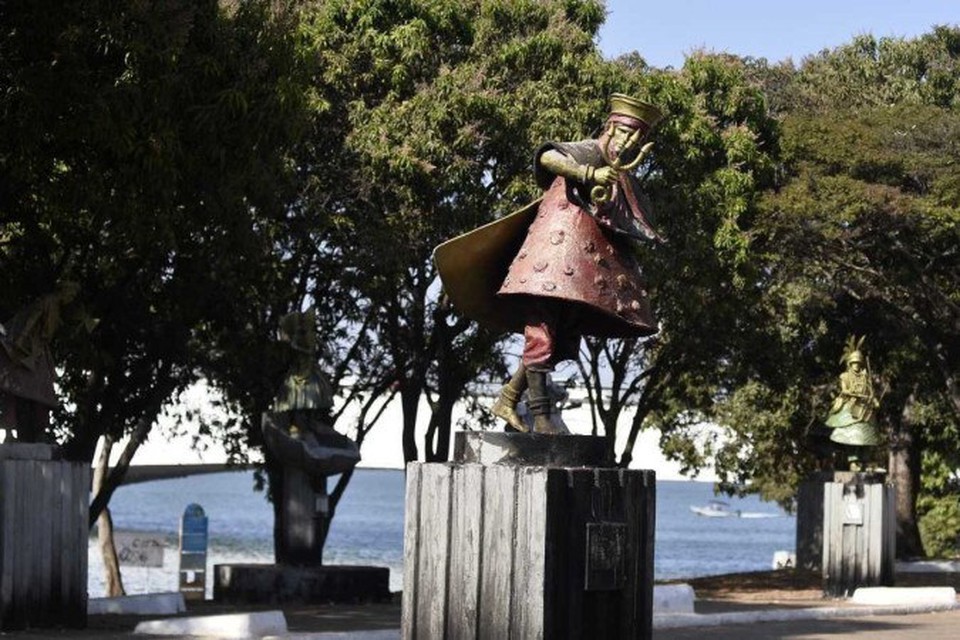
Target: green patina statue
298, 430
852, 417
305, 389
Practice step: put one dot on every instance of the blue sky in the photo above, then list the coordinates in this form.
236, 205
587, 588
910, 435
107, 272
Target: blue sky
664, 31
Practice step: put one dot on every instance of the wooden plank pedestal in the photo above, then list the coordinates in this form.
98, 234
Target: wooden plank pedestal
810, 519
522, 551
43, 538
859, 533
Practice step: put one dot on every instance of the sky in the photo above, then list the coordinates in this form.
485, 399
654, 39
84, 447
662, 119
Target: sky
664, 32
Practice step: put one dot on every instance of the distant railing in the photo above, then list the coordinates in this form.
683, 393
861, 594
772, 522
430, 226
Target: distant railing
148, 472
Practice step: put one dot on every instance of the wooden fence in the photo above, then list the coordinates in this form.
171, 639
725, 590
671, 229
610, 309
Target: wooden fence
43, 538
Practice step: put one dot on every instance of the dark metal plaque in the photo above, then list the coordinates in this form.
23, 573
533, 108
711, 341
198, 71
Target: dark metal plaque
606, 551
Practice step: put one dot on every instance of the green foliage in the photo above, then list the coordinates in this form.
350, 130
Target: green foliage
859, 240
938, 506
939, 523
144, 155
714, 154
859, 236
202, 170
440, 105
873, 72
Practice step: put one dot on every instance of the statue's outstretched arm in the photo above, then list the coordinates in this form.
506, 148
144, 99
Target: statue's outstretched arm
563, 165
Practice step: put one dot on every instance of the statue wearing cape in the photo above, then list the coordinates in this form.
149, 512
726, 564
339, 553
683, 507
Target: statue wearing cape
563, 266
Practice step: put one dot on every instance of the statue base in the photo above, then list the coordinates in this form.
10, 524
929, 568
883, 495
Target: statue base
44, 534
810, 511
284, 584
859, 532
519, 547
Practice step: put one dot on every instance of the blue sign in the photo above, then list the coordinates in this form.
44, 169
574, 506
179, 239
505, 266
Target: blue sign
193, 530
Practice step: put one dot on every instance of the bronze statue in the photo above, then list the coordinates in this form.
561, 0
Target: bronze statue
562, 267
26, 366
297, 430
305, 388
852, 417
298, 434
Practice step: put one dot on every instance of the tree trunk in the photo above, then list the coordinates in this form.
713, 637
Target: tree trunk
409, 401
610, 417
650, 391
437, 439
274, 472
905, 461
111, 564
109, 483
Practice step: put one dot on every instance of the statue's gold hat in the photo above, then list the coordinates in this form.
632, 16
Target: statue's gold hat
627, 106
854, 356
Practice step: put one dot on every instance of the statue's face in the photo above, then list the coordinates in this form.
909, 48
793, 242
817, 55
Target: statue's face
856, 366
618, 138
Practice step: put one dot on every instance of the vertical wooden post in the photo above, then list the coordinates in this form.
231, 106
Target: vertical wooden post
809, 545
466, 535
43, 538
496, 551
859, 533
411, 552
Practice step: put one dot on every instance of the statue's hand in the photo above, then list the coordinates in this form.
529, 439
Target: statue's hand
605, 176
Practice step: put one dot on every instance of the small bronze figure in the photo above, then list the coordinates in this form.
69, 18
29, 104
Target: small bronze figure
298, 434
852, 417
562, 267
26, 366
305, 389
298, 430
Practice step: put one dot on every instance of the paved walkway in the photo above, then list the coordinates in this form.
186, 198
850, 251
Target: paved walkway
381, 622
928, 626
770, 593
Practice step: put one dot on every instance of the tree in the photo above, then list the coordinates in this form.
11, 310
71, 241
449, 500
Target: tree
142, 157
874, 72
714, 153
868, 247
857, 236
445, 102
866, 234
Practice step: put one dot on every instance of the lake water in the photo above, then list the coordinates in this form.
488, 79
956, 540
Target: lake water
368, 528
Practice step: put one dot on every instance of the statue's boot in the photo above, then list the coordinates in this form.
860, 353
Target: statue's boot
541, 407
505, 406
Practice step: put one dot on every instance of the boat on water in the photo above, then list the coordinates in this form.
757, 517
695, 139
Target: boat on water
721, 509
716, 509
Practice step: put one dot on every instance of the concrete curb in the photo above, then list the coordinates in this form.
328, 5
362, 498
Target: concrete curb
667, 599
235, 625
378, 634
675, 621
673, 599
884, 596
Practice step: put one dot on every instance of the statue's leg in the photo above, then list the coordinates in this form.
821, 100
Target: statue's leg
854, 461
32, 421
540, 403
506, 405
